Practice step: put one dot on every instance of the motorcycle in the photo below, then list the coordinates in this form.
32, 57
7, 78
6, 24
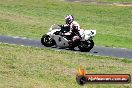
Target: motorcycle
55, 38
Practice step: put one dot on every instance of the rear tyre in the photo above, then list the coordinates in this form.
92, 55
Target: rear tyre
86, 46
47, 41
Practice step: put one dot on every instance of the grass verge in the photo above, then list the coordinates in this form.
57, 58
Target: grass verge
32, 19
28, 67
116, 1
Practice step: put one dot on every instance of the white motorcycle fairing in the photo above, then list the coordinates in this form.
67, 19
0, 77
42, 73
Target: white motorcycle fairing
87, 34
54, 38
61, 41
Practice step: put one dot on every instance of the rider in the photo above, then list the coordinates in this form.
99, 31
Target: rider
71, 23
74, 29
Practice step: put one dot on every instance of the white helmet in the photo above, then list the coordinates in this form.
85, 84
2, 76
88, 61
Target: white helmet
69, 19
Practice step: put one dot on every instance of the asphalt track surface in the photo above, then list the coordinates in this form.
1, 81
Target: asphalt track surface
97, 50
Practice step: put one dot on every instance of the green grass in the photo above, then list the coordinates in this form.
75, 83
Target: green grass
32, 19
115, 0
27, 67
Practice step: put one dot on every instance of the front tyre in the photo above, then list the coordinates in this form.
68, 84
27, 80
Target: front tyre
47, 41
86, 46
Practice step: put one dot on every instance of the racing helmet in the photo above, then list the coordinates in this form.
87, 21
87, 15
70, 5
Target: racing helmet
69, 19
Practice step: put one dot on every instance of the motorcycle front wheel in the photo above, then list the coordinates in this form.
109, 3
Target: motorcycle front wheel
86, 46
47, 41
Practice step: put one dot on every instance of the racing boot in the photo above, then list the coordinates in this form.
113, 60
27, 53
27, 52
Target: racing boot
71, 47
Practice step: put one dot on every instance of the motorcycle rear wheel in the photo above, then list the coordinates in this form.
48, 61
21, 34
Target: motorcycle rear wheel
86, 46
